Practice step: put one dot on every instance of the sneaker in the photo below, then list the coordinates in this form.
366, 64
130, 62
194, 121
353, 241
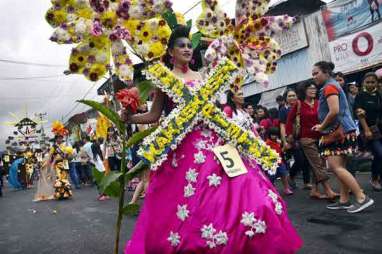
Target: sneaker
357, 207
376, 186
339, 206
288, 192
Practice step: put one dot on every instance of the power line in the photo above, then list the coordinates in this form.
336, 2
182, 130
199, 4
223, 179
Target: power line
30, 78
192, 7
30, 63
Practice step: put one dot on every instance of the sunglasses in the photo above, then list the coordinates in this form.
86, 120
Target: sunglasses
183, 45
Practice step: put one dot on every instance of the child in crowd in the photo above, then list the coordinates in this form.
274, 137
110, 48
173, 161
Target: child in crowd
274, 142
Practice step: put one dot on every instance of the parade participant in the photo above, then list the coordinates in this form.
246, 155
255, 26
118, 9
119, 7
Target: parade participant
59, 158
339, 138
13, 177
305, 112
368, 108
45, 184
205, 211
293, 149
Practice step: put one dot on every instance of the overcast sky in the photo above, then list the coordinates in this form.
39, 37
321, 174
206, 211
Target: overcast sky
25, 37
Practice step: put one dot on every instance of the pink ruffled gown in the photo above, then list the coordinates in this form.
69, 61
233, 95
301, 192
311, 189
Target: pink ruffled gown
192, 206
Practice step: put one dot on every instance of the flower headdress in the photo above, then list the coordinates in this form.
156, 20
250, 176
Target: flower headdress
59, 129
248, 40
101, 28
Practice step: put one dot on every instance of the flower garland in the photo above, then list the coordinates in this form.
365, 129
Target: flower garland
199, 106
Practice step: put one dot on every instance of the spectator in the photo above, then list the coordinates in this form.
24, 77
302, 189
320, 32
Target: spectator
282, 171
113, 149
340, 78
339, 136
368, 108
305, 111
280, 100
250, 110
234, 109
300, 162
352, 93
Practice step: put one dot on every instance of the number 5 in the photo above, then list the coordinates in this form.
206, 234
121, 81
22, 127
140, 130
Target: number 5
230, 161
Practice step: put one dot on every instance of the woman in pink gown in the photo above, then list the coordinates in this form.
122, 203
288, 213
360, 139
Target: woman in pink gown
192, 206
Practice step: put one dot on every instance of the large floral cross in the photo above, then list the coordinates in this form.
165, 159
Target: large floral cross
195, 106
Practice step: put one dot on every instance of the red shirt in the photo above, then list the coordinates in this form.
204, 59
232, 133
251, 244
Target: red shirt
308, 119
275, 146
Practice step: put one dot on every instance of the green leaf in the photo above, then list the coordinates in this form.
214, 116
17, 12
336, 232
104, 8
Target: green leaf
131, 210
144, 88
108, 180
135, 171
98, 176
136, 138
107, 112
170, 18
189, 24
113, 190
195, 40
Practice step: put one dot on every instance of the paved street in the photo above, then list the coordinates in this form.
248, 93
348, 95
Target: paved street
85, 225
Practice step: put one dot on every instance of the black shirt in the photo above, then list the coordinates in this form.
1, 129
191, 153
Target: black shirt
372, 104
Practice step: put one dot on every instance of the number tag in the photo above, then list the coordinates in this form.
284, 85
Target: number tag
230, 159
65, 163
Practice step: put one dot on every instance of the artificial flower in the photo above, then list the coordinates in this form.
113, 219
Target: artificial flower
129, 98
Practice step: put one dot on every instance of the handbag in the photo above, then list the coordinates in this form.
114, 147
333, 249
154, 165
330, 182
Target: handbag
297, 122
337, 135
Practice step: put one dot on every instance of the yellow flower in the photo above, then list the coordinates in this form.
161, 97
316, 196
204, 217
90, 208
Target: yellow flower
156, 49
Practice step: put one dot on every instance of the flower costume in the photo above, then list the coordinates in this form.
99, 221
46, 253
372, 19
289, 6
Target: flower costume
192, 205
59, 157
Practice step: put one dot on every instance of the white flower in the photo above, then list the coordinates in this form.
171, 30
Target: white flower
71, 17
191, 175
260, 227
136, 11
189, 190
202, 144
278, 208
272, 195
208, 231
206, 133
101, 57
142, 49
221, 238
249, 233
214, 180
183, 212
248, 219
174, 239
126, 72
80, 26
199, 157
211, 244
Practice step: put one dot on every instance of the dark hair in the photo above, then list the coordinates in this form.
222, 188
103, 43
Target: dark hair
266, 114
339, 74
370, 74
302, 87
326, 67
178, 32
114, 135
280, 98
230, 101
273, 113
246, 105
274, 131
285, 95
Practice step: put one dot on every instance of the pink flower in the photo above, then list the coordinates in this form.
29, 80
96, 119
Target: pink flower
129, 98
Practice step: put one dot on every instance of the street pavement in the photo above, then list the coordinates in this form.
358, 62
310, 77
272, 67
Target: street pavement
84, 225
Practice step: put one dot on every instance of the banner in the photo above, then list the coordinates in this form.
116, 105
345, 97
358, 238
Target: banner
346, 16
293, 39
358, 50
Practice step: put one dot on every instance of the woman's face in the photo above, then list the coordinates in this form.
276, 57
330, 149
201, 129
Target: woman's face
370, 83
250, 110
291, 97
238, 98
340, 80
311, 91
110, 132
182, 51
353, 89
260, 113
319, 77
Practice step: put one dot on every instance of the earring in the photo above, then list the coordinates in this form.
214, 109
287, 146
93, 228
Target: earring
192, 61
